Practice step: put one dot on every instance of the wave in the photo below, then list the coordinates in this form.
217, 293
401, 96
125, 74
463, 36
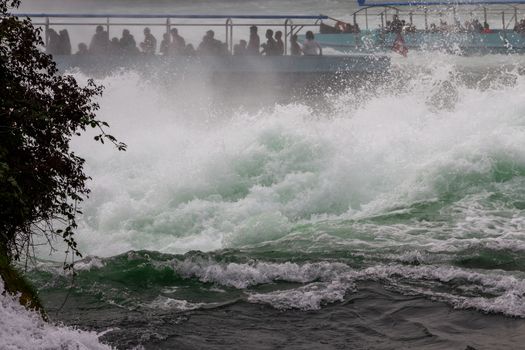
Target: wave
197, 280
199, 179
24, 329
417, 185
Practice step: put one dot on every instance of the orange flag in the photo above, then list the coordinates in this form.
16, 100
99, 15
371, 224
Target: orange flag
400, 46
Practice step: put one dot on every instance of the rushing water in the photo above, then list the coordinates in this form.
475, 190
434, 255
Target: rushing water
377, 215
383, 219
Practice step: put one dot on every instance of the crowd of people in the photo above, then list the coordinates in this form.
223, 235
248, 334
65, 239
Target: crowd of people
473, 26
397, 25
174, 44
58, 43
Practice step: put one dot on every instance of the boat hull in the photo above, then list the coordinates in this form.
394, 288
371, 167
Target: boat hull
233, 76
356, 63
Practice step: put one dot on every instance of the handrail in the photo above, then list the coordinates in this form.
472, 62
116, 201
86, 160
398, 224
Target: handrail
228, 24
369, 7
423, 9
426, 11
167, 15
441, 3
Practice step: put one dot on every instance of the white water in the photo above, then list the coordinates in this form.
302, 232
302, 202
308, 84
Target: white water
21, 329
196, 179
193, 178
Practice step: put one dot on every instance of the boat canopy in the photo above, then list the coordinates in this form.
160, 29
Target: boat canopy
439, 3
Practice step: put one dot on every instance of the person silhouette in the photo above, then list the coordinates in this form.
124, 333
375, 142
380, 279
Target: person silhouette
210, 45
295, 48
270, 47
178, 44
82, 50
100, 41
165, 45
279, 44
149, 45
254, 43
53, 44
64, 46
128, 44
310, 46
240, 49
114, 47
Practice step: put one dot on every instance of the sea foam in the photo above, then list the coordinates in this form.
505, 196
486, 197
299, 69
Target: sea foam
21, 329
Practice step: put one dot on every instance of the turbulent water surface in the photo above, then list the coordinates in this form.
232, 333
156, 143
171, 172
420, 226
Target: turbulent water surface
383, 218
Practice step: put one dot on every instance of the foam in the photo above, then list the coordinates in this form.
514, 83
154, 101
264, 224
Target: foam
386, 175
23, 329
324, 283
244, 275
88, 263
310, 297
166, 303
194, 179
312, 285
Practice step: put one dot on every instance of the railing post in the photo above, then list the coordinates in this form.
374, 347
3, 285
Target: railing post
46, 34
286, 37
366, 19
484, 14
229, 34
504, 26
426, 18
411, 19
107, 26
382, 29
168, 25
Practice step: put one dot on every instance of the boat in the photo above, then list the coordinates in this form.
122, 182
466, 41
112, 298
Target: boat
295, 70
464, 27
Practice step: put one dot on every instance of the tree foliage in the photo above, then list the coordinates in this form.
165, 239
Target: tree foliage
42, 181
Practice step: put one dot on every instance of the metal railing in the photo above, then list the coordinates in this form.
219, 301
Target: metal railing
287, 21
424, 11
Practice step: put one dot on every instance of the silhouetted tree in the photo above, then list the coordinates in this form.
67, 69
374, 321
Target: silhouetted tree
42, 181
